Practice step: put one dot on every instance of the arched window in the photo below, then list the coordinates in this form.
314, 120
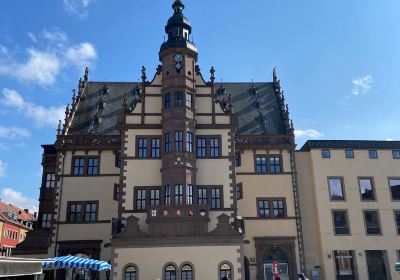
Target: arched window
130, 273
187, 272
225, 270
170, 272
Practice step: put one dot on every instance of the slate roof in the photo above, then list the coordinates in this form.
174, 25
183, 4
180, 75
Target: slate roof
242, 96
350, 144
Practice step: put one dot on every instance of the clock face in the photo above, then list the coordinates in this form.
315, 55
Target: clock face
178, 58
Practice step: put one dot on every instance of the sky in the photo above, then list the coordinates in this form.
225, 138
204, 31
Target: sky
338, 62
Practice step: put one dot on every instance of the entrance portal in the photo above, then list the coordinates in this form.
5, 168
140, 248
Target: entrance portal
277, 257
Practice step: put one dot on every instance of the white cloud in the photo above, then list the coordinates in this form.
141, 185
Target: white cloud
390, 139
309, 133
42, 67
8, 195
362, 85
13, 132
2, 168
81, 55
39, 114
77, 7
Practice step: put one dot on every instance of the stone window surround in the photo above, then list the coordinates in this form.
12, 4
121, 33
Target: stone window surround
372, 187
85, 166
379, 222
127, 266
346, 213
148, 147
271, 207
208, 146
82, 212
172, 196
341, 178
267, 162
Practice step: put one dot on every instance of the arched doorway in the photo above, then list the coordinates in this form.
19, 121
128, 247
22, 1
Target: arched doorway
275, 257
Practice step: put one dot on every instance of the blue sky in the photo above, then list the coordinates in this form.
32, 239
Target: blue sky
338, 61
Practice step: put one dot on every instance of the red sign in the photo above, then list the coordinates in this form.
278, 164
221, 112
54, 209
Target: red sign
275, 270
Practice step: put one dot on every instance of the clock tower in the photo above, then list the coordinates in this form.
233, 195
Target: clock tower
178, 57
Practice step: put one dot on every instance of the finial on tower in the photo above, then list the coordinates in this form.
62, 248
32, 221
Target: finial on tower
86, 76
59, 129
178, 6
212, 72
144, 77
274, 76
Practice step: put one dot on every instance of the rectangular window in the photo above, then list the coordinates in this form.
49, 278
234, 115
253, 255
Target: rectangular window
373, 154
396, 154
178, 141
215, 198
214, 147
263, 209
155, 147
349, 153
167, 100
326, 153
46, 220
167, 195
74, 212
336, 188
90, 212
118, 159
261, 164
278, 208
79, 166
372, 222
238, 159
178, 194
239, 191
344, 263
189, 142
142, 148
189, 194
93, 166
116, 192
154, 197
50, 180
189, 100
275, 164
167, 142
395, 188
201, 147
340, 222
141, 200
178, 97
202, 196
366, 188
397, 220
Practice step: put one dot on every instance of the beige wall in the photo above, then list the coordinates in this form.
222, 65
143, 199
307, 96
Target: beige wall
316, 192
264, 186
205, 260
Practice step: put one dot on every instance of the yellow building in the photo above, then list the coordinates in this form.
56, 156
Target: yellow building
349, 193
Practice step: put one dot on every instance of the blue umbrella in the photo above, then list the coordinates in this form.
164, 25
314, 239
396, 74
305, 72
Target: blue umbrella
75, 262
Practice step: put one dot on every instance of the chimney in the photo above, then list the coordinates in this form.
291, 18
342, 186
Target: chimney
26, 211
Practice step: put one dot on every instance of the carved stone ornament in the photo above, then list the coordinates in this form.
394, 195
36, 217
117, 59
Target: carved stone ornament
72, 141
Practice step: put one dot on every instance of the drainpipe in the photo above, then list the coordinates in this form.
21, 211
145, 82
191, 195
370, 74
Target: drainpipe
59, 205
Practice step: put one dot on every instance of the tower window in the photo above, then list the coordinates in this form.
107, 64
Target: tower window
50, 180
167, 100
178, 99
167, 195
189, 142
167, 142
189, 99
178, 141
201, 147
179, 194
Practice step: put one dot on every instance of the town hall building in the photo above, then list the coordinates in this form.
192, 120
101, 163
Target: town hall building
180, 177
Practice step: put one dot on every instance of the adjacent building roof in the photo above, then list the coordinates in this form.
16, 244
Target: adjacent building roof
350, 144
248, 104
